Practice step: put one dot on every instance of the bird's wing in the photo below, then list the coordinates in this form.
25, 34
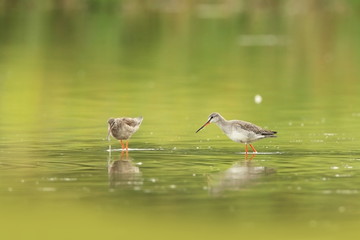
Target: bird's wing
248, 126
254, 128
130, 122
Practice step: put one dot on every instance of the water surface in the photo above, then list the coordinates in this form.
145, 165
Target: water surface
66, 69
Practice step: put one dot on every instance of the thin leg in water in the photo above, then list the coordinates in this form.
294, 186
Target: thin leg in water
127, 148
252, 147
122, 145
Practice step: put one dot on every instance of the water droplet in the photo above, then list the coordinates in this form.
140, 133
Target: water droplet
258, 99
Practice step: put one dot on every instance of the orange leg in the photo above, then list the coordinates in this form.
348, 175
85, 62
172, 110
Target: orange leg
127, 145
252, 147
246, 149
251, 157
122, 145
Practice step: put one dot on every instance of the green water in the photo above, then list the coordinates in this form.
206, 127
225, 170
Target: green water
66, 68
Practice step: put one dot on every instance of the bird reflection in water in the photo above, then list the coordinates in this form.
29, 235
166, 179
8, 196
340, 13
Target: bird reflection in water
241, 175
124, 173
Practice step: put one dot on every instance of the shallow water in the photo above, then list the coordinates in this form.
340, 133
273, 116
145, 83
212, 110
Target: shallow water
64, 72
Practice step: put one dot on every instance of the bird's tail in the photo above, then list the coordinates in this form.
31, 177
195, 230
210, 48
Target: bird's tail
139, 119
269, 134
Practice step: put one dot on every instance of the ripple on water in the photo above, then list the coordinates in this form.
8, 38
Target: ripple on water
47, 189
134, 149
260, 153
341, 191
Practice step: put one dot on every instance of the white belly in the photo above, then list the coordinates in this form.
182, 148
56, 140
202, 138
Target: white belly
244, 136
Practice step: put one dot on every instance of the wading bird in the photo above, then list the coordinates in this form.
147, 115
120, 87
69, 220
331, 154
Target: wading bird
239, 131
122, 129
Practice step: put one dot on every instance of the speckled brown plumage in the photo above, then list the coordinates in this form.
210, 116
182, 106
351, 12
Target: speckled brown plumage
123, 128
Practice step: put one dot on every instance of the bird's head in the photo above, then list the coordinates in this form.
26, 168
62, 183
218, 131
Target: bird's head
213, 118
111, 121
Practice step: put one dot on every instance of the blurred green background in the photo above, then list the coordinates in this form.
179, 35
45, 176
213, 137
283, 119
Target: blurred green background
67, 66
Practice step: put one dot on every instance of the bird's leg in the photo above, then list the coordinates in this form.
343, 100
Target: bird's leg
252, 147
127, 148
248, 159
122, 145
246, 149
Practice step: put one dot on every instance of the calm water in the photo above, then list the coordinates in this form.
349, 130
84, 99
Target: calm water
65, 69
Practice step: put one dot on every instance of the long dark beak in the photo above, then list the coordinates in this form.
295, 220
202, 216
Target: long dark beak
108, 136
110, 128
207, 123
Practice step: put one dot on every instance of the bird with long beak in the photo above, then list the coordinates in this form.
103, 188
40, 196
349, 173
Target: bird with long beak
239, 131
122, 129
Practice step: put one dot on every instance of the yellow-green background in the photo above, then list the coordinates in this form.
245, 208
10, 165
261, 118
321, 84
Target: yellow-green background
67, 66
